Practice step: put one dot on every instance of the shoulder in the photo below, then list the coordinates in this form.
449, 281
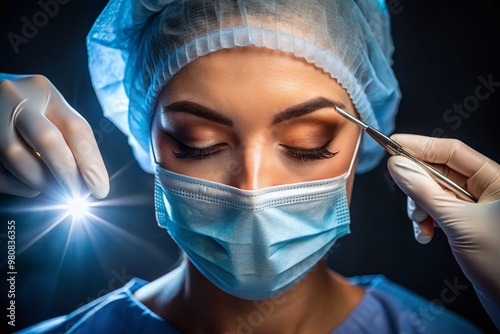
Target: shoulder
116, 312
390, 308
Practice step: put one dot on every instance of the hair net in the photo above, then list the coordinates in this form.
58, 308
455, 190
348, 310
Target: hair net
136, 46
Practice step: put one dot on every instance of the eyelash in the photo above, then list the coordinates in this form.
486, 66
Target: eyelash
298, 154
195, 153
305, 155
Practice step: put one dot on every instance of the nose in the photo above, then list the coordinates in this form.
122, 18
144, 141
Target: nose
252, 168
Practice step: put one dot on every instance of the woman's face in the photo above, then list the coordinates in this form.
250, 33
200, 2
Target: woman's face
252, 118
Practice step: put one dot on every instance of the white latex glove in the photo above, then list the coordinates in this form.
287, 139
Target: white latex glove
473, 229
43, 139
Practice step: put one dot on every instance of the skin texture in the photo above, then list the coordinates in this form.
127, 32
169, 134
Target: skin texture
249, 86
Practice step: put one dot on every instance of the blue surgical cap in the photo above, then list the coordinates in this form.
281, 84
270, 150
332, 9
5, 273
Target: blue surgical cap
136, 46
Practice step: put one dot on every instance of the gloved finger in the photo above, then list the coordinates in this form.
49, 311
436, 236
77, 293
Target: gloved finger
452, 174
47, 140
416, 183
424, 230
415, 212
9, 99
20, 160
15, 154
480, 172
486, 182
9, 184
423, 225
451, 152
79, 136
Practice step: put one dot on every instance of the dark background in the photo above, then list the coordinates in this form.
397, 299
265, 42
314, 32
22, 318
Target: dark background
441, 50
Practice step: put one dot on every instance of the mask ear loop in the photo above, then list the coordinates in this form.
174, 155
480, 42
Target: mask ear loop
158, 190
355, 152
154, 162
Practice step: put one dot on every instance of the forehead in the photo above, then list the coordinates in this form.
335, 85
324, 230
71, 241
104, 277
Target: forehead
249, 74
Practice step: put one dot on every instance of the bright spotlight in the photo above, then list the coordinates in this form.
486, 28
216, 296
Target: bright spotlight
77, 207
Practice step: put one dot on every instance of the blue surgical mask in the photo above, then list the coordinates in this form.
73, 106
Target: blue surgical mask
253, 244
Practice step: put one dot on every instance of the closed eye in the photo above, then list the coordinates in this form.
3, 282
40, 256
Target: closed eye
184, 151
302, 154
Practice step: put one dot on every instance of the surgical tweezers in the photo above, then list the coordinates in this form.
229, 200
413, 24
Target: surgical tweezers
395, 149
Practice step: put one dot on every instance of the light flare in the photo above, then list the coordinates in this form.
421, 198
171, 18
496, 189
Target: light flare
77, 207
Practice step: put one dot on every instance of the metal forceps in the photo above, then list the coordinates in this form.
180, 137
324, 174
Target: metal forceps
395, 149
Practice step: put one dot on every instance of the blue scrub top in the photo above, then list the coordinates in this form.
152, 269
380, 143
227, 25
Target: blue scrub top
385, 308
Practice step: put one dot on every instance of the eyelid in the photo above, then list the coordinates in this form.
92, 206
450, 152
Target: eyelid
302, 154
305, 148
191, 146
194, 152
325, 145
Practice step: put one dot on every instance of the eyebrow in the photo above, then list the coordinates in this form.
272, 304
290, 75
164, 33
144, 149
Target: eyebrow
287, 114
198, 110
305, 108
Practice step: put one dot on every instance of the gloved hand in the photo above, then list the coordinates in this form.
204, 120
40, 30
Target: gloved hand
44, 140
473, 229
